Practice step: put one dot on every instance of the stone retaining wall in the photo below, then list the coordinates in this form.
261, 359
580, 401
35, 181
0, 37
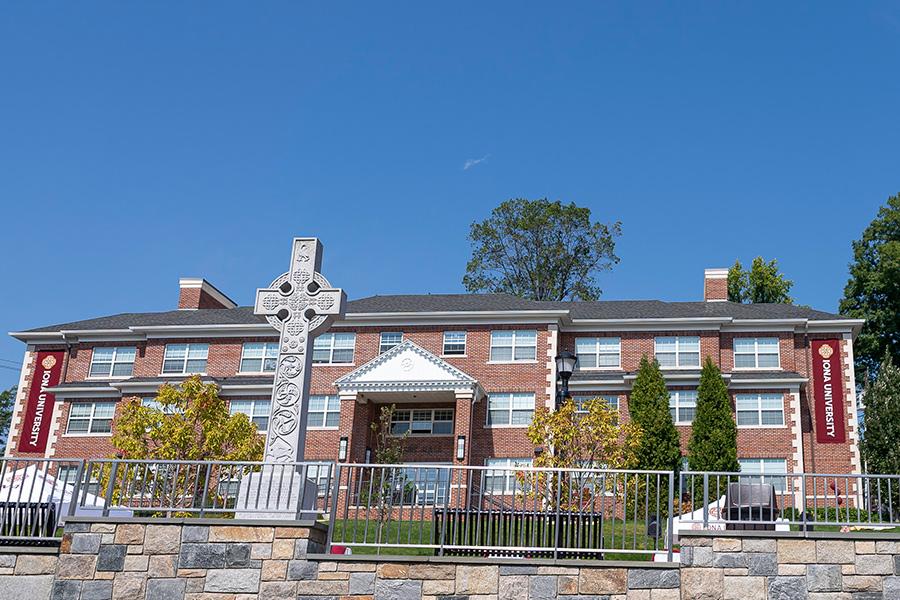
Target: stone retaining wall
195, 559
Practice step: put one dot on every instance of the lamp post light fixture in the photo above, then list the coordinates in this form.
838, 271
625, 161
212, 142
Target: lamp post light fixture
460, 447
565, 366
342, 449
368, 456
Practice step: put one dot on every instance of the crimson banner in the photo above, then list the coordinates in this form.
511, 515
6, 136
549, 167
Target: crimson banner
828, 392
36, 424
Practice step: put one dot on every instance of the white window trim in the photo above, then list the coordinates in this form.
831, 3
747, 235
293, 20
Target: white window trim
465, 344
90, 420
425, 435
523, 361
759, 412
330, 362
678, 352
381, 341
509, 464
763, 475
253, 402
184, 371
597, 353
678, 406
734, 353
587, 397
112, 365
325, 414
487, 416
263, 359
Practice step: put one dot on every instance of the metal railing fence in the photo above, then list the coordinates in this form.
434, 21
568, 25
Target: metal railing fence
34, 495
802, 501
501, 511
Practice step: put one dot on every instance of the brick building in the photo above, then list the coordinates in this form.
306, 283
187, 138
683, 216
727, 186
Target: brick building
465, 372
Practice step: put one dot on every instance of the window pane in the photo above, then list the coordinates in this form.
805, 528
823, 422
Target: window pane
173, 366
344, 340
666, 359
80, 409
101, 426
747, 418
269, 365
772, 417
522, 417
689, 344
315, 419
253, 349
665, 344
687, 414
442, 427
499, 401
745, 361
690, 359
251, 365
501, 354
608, 360
77, 425
746, 402
498, 417
196, 365
100, 369
262, 423
103, 354
767, 345
198, 351
240, 406
332, 419
343, 355
768, 360
523, 401
323, 341
317, 402
771, 402
526, 353
176, 350
585, 345
744, 345
321, 356
587, 361
122, 369
526, 338
501, 338
104, 410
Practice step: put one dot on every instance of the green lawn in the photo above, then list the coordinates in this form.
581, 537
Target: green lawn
352, 532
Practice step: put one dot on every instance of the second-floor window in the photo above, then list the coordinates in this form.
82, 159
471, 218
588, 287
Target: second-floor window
611, 400
256, 410
598, 352
454, 343
324, 412
422, 421
388, 340
334, 348
185, 358
756, 353
259, 357
510, 410
91, 417
683, 406
512, 346
759, 410
112, 362
678, 351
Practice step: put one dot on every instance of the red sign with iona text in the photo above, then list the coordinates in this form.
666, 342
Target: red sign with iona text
39, 409
828, 392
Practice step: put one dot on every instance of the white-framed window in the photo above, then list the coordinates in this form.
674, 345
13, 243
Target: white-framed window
756, 353
87, 418
112, 361
513, 346
678, 351
683, 406
598, 352
69, 475
321, 474
454, 343
765, 468
154, 403
259, 357
759, 410
422, 421
510, 409
421, 485
324, 412
503, 479
185, 358
257, 410
334, 348
388, 340
611, 400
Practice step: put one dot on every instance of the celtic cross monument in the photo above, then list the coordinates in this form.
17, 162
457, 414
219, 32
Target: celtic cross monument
299, 304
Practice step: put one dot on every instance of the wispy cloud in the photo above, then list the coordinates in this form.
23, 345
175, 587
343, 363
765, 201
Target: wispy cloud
474, 161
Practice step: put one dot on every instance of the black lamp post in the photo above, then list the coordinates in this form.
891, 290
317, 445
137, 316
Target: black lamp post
565, 366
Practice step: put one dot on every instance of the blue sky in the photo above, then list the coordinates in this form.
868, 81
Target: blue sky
144, 142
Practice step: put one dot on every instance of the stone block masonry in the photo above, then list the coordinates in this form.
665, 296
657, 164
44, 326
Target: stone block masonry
213, 559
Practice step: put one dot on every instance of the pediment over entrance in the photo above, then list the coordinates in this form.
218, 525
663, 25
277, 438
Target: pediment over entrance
408, 368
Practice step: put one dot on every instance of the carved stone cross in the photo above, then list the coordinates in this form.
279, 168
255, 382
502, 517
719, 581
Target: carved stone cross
299, 304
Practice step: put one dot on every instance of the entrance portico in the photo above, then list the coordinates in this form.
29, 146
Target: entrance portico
424, 388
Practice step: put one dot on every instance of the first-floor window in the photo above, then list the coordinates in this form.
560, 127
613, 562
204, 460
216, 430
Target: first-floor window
422, 421
501, 478
759, 410
257, 410
763, 470
683, 406
611, 400
69, 475
516, 409
321, 475
324, 412
424, 486
91, 417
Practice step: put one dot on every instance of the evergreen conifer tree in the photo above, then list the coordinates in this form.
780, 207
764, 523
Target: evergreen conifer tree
649, 406
713, 443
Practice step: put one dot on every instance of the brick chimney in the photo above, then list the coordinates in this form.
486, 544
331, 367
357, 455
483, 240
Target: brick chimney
715, 285
195, 292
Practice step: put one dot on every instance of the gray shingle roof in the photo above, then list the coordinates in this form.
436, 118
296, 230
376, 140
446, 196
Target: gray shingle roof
417, 303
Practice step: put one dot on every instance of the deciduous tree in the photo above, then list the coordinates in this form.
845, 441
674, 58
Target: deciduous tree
761, 284
540, 250
7, 403
873, 290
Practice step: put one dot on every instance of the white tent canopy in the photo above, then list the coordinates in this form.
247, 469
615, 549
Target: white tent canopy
33, 485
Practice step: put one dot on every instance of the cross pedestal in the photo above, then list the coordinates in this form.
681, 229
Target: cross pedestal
300, 304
